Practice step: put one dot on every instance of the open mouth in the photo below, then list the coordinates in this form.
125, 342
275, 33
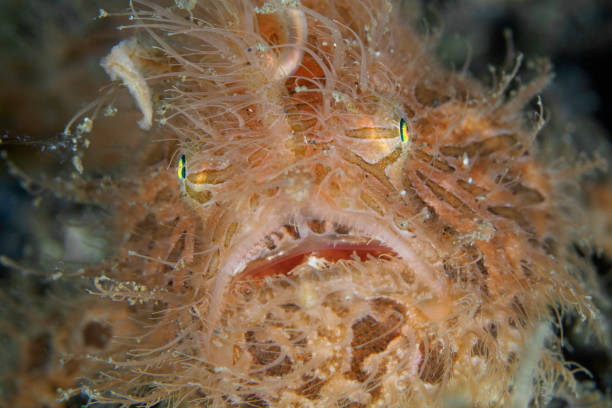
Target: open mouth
305, 242
316, 243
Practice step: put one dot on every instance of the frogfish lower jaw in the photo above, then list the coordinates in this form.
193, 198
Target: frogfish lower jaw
314, 239
335, 288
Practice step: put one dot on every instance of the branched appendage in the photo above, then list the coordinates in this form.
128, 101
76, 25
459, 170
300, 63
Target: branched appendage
325, 216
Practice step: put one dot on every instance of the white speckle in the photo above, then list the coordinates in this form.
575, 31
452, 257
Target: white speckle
268, 7
102, 13
485, 231
424, 214
339, 97
85, 126
466, 160
315, 262
403, 192
470, 181
78, 164
186, 4
110, 110
307, 295
162, 108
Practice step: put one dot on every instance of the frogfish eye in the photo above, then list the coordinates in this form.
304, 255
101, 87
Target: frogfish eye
404, 134
182, 169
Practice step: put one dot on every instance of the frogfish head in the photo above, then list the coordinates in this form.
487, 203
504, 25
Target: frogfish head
336, 220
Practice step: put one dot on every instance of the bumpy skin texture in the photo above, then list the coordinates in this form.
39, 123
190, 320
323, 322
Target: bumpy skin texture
310, 257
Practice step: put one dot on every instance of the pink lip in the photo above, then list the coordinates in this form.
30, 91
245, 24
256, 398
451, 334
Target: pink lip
330, 250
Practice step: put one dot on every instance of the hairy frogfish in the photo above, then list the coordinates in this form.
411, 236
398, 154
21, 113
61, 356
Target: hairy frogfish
307, 209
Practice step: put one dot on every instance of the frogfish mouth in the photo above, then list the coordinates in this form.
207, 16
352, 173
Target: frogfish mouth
287, 249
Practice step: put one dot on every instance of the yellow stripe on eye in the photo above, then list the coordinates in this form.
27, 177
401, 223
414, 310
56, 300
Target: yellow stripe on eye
182, 169
404, 135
